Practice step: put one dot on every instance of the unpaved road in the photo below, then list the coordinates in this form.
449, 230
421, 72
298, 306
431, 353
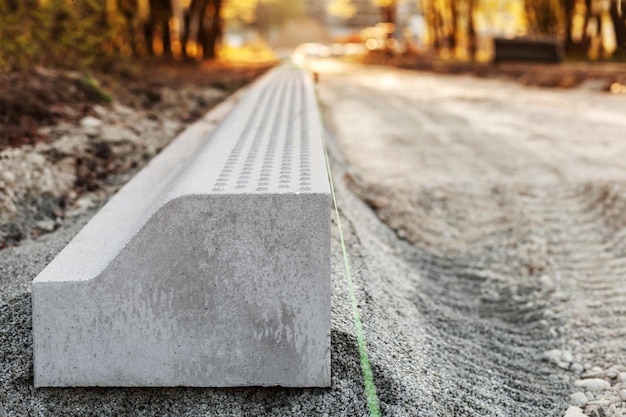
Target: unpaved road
494, 282
515, 201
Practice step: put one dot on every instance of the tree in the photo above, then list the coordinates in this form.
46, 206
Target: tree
157, 27
543, 16
206, 18
471, 30
618, 17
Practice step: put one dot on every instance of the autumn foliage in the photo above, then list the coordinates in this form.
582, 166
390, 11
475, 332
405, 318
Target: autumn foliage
587, 28
87, 33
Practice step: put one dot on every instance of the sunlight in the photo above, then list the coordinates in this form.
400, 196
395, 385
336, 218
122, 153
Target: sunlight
323, 66
618, 88
157, 46
247, 54
176, 45
389, 82
192, 49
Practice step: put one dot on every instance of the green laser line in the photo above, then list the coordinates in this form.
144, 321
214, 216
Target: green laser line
368, 377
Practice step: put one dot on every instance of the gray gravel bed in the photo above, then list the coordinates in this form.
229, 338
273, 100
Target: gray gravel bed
437, 348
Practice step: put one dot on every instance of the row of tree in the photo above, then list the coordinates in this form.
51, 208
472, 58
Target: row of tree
586, 27
77, 33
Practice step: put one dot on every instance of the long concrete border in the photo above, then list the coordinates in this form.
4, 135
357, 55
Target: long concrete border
210, 267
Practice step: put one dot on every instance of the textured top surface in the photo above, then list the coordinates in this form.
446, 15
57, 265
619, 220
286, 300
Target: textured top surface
274, 150
269, 143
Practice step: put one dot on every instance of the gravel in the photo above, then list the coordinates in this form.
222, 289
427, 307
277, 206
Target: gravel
20, 264
574, 412
578, 399
502, 186
436, 348
457, 322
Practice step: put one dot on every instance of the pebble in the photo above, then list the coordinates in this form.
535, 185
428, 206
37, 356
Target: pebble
612, 373
593, 384
579, 399
7, 176
118, 134
547, 283
622, 394
561, 358
574, 412
81, 205
553, 355
600, 403
90, 121
576, 367
621, 377
594, 372
567, 356
46, 225
614, 411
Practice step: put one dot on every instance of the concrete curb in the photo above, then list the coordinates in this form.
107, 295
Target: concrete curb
211, 267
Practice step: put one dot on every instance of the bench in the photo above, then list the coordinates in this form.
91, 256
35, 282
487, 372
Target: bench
546, 50
211, 267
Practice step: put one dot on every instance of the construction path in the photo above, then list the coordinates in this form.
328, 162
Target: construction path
515, 201
494, 283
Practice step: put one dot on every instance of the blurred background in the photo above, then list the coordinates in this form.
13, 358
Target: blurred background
101, 34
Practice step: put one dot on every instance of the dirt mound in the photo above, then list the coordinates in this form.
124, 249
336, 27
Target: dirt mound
41, 97
65, 149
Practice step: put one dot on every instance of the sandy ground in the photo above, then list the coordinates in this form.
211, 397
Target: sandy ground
515, 201
485, 227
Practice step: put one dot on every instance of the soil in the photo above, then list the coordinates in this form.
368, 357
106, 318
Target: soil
29, 100
40, 97
69, 139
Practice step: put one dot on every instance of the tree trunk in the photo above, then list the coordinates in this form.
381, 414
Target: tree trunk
601, 49
440, 31
471, 31
580, 48
185, 34
585, 43
211, 36
569, 8
619, 24
437, 41
166, 36
148, 34
531, 17
452, 31
389, 13
158, 22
